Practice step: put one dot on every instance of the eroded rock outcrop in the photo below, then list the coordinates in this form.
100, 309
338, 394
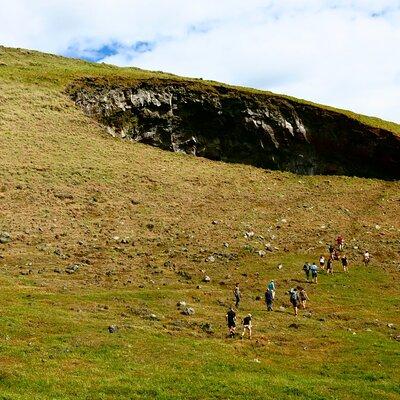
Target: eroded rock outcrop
226, 124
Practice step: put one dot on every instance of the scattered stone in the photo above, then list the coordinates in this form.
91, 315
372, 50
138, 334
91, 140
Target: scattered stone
71, 269
377, 227
188, 311
150, 226
25, 272
5, 237
284, 220
282, 309
57, 270
280, 266
268, 247
207, 327
355, 247
249, 235
261, 253
226, 245
391, 326
210, 259
206, 279
215, 222
153, 317
198, 287
181, 304
113, 328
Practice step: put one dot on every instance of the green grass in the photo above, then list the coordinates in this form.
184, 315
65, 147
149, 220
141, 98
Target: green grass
67, 189
49, 70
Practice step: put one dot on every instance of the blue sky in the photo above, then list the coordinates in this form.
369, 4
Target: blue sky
341, 53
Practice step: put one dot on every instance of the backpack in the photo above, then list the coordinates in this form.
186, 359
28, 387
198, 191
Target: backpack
293, 296
306, 267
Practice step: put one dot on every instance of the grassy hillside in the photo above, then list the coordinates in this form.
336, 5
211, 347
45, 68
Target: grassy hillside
140, 223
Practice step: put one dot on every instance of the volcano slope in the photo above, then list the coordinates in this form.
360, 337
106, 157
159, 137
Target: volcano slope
140, 225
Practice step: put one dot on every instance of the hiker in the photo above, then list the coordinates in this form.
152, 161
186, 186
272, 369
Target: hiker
294, 299
271, 286
345, 263
322, 261
314, 273
366, 257
335, 255
237, 294
303, 297
329, 266
269, 300
306, 269
247, 325
231, 320
340, 242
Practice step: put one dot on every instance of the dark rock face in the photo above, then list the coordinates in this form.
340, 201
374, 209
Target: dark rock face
226, 124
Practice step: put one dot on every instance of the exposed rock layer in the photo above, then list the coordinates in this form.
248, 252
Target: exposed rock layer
254, 128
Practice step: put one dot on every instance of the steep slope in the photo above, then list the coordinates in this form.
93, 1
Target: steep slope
144, 226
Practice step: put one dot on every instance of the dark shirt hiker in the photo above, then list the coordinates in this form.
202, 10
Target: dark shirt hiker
231, 319
294, 299
269, 299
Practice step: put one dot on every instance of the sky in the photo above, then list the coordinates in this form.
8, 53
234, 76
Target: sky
336, 52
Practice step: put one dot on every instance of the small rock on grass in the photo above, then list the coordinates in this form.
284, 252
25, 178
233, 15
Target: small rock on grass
5, 237
113, 329
188, 311
206, 279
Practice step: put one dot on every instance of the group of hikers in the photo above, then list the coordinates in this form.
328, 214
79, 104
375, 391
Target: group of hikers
297, 295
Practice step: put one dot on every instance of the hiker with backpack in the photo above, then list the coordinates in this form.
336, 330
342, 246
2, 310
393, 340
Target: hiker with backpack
321, 261
340, 242
303, 297
271, 286
237, 295
314, 273
366, 257
247, 325
345, 263
231, 320
306, 269
329, 266
294, 299
269, 300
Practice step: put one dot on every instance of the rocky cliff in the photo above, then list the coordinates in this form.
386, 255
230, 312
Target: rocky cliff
227, 124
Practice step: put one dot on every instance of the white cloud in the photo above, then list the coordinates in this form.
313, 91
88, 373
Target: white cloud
342, 53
